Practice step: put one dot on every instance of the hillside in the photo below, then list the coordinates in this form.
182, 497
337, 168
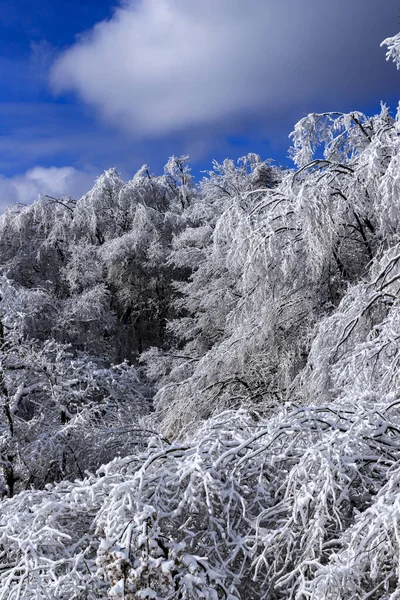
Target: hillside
200, 382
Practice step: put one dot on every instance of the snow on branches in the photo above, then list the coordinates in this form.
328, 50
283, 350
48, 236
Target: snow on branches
244, 508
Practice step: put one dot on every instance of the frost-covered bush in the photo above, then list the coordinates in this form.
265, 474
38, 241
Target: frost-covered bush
245, 508
62, 413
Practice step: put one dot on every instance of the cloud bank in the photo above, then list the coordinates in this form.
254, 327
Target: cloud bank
163, 66
54, 181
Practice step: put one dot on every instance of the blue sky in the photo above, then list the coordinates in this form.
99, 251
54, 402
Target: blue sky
93, 84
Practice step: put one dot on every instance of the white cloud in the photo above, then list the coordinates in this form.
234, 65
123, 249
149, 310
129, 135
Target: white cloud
160, 66
54, 181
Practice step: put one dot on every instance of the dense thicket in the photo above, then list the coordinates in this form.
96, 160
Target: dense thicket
200, 383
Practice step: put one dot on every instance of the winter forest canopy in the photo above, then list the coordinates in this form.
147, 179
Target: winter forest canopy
200, 383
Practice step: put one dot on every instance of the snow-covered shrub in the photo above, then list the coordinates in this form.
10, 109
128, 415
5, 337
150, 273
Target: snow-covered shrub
243, 508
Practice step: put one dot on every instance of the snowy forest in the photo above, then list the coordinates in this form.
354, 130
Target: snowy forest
200, 382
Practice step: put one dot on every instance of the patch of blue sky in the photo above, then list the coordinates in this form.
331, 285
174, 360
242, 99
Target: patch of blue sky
311, 57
